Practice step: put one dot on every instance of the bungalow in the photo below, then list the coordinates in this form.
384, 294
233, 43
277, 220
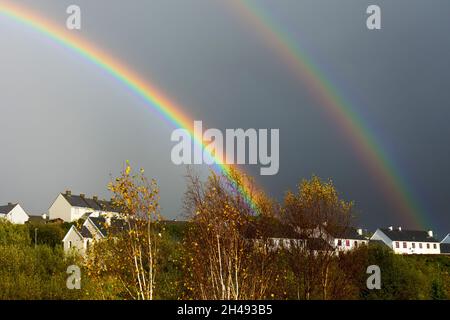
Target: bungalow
408, 241
69, 207
14, 213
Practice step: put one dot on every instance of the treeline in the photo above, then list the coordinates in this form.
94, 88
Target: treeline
224, 249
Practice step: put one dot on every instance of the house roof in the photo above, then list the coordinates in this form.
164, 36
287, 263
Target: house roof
346, 233
445, 248
269, 228
90, 203
100, 223
115, 226
446, 239
7, 208
85, 232
408, 235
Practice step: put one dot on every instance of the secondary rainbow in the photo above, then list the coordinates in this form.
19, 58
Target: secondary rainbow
151, 94
340, 111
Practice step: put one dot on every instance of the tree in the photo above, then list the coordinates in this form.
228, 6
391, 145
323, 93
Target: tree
222, 262
315, 212
129, 254
50, 234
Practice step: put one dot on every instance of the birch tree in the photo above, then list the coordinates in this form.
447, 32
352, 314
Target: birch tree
129, 254
222, 262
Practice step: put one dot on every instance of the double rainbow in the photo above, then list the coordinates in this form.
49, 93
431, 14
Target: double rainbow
362, 139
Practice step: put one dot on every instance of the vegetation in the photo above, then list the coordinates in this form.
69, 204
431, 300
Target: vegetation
223, 251
32, 272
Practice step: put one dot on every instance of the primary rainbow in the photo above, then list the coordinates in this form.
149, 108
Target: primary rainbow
151, 94
341, 112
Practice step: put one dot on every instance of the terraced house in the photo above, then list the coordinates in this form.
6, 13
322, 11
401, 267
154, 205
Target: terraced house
69, 207
408, 241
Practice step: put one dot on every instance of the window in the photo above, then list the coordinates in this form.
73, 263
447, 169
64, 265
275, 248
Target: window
347, 243
435, 246
413, 245
397, 244
69, 244
420, 245
404, 245
428, 246
356, 244
339, 242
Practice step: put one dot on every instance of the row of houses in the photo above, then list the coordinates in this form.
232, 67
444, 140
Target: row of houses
399, 240
97, 215
66, 207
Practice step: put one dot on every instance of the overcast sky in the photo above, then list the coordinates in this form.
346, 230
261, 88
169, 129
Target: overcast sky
65, 124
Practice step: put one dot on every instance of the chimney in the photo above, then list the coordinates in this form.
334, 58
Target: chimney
360, 232
68, 193
430, 233
399, 228
10, 203
391, 228
95, 198
82, 195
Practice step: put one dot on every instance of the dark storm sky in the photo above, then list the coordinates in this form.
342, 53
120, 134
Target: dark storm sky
66, 124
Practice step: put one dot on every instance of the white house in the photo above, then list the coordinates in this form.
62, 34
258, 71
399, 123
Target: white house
339, 238
316, 239
14, 213
93, 228
408, 241
69, 207
349, 239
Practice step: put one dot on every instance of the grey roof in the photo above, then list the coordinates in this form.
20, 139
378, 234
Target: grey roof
100, 223
446, 238
90, 203
7, 209
115, 226
445, 248
346, 233
85, 232
408, 235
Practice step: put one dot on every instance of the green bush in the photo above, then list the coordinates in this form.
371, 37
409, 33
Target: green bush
34, 273
49, 234
13, 234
